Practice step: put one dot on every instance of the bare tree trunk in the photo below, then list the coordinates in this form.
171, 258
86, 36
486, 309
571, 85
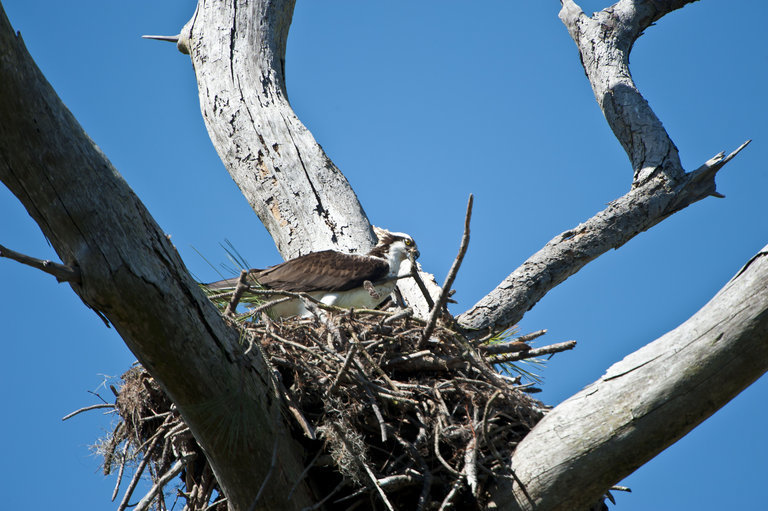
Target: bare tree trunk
132, 276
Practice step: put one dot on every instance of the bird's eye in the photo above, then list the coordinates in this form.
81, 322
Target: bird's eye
408, 243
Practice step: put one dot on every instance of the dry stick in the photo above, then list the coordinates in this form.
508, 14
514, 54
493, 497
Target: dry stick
344, 367
272, 466
380, 371
123, 459
439, 456
219, 500
427, 485
305, 425
92, 407
62, 272
420, 283
161, 482
137, 475
447, 501
366, 468
303, 474
491, 446
450, 277
405, 313
239, 290
545, 350
377, 413
496, 348
324, 499
264, 307
470, 456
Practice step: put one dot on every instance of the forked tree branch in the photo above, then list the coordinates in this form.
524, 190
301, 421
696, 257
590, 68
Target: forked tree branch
660, 185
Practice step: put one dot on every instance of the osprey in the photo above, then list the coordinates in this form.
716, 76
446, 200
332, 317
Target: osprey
336, 278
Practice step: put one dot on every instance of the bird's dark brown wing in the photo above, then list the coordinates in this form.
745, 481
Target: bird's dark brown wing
327, 270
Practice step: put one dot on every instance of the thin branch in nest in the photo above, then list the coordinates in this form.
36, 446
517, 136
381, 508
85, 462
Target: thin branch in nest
405, 313
163, 480
448, 500
420, 283
305, 425
62, 272
347, 361
437, 309
304, 474
137, 475
87, 408
534, 352
242, 285
123, 459
264, 307
439, 456
272, 465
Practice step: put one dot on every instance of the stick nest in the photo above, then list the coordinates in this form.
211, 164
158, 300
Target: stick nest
389, 420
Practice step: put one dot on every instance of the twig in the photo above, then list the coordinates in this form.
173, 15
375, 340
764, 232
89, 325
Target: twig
272, 465
87, 408
420, 283
239, 290
491, 446
123, 459
62, 272
303, 474
439, 456
319, 504
175, 470
496, 348
405, 313
448, 500
305, 425
168, 38
470, 457
504, 347
137, 475
344, 367
436, 310
535, 352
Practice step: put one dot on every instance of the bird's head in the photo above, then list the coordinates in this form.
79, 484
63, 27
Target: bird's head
395, 246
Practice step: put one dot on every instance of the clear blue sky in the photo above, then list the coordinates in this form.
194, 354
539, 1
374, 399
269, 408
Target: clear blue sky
419, 104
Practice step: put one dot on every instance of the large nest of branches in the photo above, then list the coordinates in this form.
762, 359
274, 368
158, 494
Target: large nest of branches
390, 419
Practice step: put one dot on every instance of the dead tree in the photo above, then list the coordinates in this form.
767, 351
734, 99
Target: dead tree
640, 406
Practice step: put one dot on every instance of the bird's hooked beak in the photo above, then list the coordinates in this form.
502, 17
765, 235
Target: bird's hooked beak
414, 252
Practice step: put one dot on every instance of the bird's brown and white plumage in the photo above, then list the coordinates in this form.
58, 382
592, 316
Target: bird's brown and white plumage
336, 278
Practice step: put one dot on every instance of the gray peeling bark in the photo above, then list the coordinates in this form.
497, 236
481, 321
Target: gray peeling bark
131, 275
660, 185
646, 402
238, 52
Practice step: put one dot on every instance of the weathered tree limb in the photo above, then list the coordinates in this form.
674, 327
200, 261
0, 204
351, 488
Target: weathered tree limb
660, 185
238, 52
62, 272
131, 273
646, 402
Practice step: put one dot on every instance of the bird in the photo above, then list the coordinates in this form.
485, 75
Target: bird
335, 278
